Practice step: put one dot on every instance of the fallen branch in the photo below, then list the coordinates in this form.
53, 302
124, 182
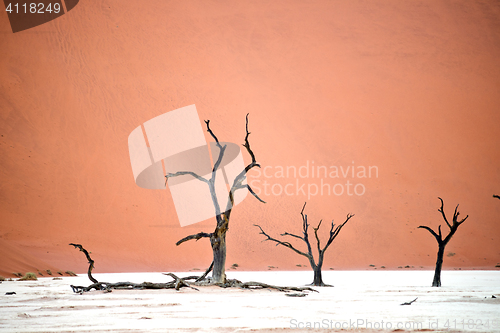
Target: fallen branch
295, 294
260, 285
177, 283
409, 303
91, 262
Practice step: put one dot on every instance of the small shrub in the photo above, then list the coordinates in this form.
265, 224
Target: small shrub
40, 273
28, 276
70, 273
49, 272
18, 275
2, 278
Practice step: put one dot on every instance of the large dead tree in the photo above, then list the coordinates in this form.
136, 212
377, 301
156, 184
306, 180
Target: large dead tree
436, 282
316, 266
218, 236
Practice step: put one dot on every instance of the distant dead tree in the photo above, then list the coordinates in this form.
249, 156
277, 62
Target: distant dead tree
442, 242
496, 196
218, 236
318, 281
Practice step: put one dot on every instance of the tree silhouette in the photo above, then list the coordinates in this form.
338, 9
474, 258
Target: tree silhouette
436, 282
316, 266
218, 236
496, 196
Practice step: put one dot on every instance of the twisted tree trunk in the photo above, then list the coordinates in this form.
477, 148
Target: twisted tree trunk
218, 242
436, 282
318, 279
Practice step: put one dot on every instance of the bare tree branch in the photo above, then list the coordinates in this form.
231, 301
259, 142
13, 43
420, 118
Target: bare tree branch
285, 244
305, 227
206, 272
212, 133
316, 234
219, 160
253, 193
289, 234
238, 180
195, 236
181, 173
438, 238
247, 144
221, 149
334, 233
91, 262
442, 212
409, 303
455, 217
179, 282
496, 196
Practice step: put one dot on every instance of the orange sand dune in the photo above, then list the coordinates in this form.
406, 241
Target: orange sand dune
410, 87
15, 260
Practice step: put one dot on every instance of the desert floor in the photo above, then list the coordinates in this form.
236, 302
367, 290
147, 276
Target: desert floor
360, 301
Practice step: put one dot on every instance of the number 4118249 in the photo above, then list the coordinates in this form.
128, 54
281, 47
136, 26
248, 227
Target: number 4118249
33, 8
470, 324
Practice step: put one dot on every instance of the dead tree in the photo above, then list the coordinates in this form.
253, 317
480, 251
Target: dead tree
496, 196
436, 282
218, 236
316, 266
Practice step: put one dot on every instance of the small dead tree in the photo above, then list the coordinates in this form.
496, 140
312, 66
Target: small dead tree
316, 266
436, 282
218, 236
